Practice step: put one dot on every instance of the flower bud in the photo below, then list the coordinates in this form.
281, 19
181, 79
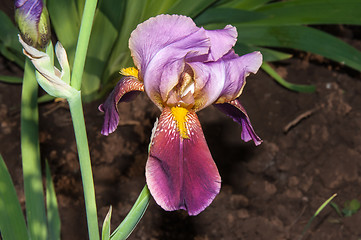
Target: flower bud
33, 22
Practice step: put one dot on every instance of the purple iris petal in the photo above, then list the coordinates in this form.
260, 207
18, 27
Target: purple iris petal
223, 80
127, 88
180, 172
222, 40
159, 47
30, 9
236, 111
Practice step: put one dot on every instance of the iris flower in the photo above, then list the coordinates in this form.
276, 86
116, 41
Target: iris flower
183, 69
32, 19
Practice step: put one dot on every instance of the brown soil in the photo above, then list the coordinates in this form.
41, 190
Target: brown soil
268, 192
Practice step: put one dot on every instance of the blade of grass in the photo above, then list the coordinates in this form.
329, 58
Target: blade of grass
316, 214
294, 87
106, 225
33, 184
12, 221
131, 220
52, 207
11, 79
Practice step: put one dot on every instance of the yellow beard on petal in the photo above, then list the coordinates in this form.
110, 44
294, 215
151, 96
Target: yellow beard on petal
180, 116
130, 71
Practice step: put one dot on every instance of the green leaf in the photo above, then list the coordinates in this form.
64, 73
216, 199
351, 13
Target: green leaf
291, 86
66, 23
11, 79
52, 207
244, 4
190, 8
299, 12
120, 55
337, 209
106, 225
227, 15
113, 10
131, 220
12, 221
351, 207
45, 98
100, 46
269, 55
301, 38
9, 42
33, 184
316, 213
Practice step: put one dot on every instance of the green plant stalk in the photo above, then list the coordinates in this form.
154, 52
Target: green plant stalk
316, 214
77, 116
33, 184
83, 43
135, 214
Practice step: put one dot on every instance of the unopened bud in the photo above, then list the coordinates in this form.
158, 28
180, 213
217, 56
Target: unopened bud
33, 22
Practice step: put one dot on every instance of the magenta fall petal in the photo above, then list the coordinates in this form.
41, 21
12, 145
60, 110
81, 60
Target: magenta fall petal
236, 111
181, 175
126, 89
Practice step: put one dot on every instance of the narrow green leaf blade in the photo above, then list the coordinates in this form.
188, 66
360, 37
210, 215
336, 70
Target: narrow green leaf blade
301, 38
52, 207
12, 221
245, 4
269, 55
33, 184
190, 8
291, 86
9, 44
317, 212
66, 22
106, 225
298, 12
11, 79
101, 44
131, 220
227, 15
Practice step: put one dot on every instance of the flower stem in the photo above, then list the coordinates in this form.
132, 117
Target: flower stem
83, 43
30, 151
77, 116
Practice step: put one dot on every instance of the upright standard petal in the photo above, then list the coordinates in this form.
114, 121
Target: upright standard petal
237, 69
223, 80
126, 89
159, 48
181, 175
236, 111
222, 41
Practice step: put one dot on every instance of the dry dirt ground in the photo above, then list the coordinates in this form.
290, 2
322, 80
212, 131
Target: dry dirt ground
311, 150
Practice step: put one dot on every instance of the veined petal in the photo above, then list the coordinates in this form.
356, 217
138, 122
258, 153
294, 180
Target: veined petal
222, 41
126, 89
223, 80
159, 47
237, 69
180, 172
236, 111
